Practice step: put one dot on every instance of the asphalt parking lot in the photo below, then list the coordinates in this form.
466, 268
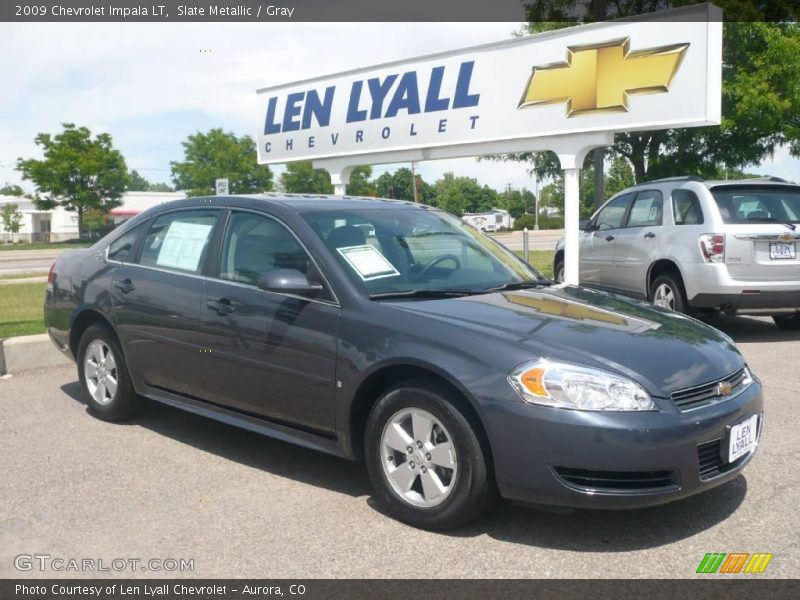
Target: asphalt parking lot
173, 485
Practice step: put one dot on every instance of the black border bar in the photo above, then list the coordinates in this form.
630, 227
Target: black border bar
283, 11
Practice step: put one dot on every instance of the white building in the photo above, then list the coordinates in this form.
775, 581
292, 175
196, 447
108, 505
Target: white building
58, 225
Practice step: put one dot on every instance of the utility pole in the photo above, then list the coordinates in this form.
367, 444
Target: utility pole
414, 180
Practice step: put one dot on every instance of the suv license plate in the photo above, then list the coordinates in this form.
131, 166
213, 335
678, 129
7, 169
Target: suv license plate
742, 439
778, 251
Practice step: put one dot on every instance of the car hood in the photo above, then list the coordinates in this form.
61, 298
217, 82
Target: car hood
662, 350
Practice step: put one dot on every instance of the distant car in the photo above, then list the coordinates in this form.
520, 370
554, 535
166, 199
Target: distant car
452, 368
687, 244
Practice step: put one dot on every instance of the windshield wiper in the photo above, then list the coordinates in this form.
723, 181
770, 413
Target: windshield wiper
425, 293
520, 285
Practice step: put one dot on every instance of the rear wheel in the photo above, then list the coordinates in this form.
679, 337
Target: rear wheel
667, 291
788, 322
424, 458
104, 376
558, 270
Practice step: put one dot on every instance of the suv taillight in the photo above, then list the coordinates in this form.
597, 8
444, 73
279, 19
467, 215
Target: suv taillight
51, 277
712, 245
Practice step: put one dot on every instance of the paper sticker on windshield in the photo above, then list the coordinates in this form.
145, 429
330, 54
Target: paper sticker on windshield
183, 245
368, 262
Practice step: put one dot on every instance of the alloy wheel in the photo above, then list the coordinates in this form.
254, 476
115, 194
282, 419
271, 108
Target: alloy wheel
418, 457
100, 371
664, 296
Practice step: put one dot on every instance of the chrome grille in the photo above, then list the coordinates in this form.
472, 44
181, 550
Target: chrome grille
710, 393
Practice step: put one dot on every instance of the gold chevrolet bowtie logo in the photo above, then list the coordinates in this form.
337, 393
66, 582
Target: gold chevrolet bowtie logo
600, 77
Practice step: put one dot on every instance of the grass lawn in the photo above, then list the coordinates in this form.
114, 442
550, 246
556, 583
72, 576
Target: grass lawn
21, 309
43, 246
542, 260
23, 275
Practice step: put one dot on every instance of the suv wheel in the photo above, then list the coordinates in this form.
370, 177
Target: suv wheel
558, 270
667, 291
424, 459
104, 376
788, 322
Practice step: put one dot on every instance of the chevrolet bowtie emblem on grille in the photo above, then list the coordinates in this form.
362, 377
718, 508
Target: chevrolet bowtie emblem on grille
786, 237
723, 388
600, 77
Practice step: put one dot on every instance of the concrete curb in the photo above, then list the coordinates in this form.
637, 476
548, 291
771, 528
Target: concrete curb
29, 352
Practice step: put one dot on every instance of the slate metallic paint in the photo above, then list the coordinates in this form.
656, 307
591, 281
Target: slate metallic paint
471, 342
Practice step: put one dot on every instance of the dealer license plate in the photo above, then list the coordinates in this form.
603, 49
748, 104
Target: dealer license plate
742, 438
778, 251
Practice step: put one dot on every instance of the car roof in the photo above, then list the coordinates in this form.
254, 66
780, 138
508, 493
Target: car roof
320, 202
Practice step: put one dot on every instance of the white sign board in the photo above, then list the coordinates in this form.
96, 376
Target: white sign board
222, 187
602, 77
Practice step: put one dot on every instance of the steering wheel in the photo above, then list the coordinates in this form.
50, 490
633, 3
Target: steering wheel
436, 261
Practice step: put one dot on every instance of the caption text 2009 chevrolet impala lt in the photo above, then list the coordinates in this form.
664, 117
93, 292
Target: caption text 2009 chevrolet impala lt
393, 333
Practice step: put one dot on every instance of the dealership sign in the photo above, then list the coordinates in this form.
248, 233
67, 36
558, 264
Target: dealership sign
603, 77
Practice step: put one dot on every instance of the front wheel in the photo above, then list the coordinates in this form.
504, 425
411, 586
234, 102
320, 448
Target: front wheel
104, 376
424, 458
788, 322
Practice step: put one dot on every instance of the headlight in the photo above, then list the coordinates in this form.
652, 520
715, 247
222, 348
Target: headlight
564, 385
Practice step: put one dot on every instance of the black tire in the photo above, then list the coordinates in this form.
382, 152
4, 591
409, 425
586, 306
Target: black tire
558, 269
673, 282
788, 322
472, 489
123, 403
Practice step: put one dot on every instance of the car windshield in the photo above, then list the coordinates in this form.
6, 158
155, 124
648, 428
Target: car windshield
754, 204
416, 250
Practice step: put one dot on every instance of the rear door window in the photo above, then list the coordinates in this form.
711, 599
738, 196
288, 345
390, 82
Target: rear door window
123, 249
646, 210
178, 240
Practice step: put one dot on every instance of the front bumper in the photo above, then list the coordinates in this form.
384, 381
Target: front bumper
544, 455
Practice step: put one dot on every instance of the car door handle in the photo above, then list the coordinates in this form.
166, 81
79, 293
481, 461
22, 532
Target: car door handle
221, 307
609, 238
650, 235
124, 285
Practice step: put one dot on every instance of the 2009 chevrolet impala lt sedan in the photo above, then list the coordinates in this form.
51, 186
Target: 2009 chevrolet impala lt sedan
394, 333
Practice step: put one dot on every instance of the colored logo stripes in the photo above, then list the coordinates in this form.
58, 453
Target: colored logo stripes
734, 562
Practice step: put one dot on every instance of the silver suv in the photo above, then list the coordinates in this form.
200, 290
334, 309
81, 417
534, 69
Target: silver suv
685, 243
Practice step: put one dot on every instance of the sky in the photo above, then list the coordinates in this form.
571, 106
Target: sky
152, 85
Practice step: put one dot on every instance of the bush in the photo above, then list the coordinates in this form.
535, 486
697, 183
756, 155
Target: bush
524, 221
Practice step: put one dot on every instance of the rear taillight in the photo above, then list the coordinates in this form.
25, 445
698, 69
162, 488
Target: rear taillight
51, 278
712, 245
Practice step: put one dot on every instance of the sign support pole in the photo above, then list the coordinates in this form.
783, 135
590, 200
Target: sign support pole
572, 209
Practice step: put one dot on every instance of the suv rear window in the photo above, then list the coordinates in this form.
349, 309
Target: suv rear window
755, 204
686, 208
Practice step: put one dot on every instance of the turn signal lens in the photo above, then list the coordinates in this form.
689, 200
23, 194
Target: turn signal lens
576, 387
51, 278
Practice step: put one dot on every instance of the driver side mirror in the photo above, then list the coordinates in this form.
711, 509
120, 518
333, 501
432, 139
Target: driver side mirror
585, 225
289, 281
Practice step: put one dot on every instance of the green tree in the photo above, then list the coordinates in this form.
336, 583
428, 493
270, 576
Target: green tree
137, 183
219, 155
620, 176
95, 220
161, 187
398, 185
361, 183
760, 97
78, 172
518, 202
459, 195
11, 217
11, 190
302, 178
